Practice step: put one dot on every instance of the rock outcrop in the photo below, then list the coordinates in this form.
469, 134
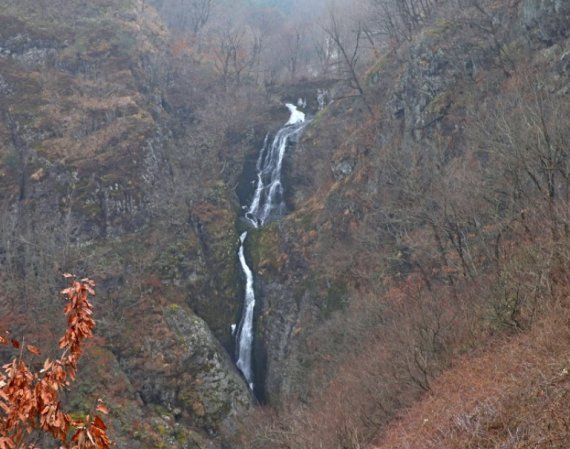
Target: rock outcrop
110, 167
343, 179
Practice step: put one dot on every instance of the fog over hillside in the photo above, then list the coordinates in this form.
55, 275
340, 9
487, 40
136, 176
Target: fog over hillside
324, 224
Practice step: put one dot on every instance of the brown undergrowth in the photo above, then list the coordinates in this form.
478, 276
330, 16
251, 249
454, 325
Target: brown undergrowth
488, 367
515, 395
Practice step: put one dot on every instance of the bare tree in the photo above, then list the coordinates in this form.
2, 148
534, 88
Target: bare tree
294, 45
324, 51
237, 51
199, 14
526, 134
399, 19
348, 45
186, 15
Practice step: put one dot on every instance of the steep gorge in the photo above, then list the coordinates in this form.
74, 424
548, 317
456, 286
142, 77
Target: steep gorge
121, 158
410, 242
267, 204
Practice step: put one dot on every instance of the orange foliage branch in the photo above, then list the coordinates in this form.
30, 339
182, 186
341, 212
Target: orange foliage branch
29, 401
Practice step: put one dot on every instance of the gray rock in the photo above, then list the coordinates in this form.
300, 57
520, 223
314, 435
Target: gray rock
343, 169
4, 87
213, 393
546, 21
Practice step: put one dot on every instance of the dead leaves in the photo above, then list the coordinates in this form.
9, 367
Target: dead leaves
102, 407
33, 349
6, 443
91, 433
29, 401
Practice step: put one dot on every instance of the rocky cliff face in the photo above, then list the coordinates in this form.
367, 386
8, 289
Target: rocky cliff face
109, 166
351, 184
545, 21
116, 162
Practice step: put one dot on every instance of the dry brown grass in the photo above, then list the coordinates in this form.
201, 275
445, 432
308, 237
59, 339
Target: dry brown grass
514, 395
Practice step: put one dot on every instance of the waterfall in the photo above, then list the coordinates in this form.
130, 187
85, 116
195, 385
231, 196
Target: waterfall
267, 203
268, 198
245, 332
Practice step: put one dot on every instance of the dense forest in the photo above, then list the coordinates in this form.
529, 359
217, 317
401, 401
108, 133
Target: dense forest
380, 188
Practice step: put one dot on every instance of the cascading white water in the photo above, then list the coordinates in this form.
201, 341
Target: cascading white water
268, 202
245, 333
268, 197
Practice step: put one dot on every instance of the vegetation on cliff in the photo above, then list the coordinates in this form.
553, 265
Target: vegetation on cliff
429, 224
427, 231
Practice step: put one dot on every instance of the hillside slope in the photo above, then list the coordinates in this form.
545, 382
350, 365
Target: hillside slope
422, 228
110, 166
514, 395
428, 233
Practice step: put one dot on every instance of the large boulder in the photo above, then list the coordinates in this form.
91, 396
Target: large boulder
191, 375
